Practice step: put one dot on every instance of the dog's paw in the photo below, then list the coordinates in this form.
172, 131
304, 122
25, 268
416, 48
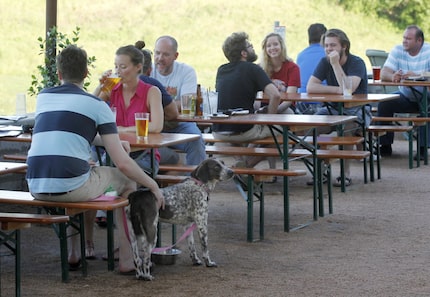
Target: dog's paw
210, 263
197, 262
145, 277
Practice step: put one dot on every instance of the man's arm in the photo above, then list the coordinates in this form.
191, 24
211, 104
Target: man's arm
171, 111
315, 86
388, 74
128, 166
274, 98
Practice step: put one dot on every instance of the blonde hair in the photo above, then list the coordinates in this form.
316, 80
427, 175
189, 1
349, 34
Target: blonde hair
265, 62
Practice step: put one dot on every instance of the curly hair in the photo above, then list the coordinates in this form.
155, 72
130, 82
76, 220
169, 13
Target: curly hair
234, 45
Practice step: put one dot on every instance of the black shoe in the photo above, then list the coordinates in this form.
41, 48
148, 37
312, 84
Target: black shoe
386, 150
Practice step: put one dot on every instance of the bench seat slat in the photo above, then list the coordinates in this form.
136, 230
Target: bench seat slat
25, 198
13, 221
273, 152
321, 140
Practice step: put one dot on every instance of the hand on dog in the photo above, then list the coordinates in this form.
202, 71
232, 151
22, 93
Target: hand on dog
160, 198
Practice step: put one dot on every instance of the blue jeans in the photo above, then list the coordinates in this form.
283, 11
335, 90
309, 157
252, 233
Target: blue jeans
194, 150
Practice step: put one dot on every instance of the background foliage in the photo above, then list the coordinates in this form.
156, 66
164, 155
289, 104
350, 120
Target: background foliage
200, 26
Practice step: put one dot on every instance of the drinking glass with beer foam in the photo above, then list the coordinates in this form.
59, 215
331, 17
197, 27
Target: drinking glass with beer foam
110, 82
142, 124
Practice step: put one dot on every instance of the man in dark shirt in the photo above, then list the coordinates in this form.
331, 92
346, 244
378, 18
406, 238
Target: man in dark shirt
237, 84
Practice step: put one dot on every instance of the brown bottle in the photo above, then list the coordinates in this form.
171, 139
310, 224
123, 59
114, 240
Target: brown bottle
199, 102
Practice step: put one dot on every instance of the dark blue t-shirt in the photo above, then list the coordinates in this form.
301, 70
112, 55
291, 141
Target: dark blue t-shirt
354, 66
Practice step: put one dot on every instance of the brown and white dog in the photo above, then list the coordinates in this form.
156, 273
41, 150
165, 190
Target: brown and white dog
186, 203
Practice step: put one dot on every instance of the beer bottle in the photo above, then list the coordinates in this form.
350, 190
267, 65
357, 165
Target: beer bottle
199, 102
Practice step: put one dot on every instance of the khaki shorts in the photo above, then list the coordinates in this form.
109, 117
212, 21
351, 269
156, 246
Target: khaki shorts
256, 132
100, 179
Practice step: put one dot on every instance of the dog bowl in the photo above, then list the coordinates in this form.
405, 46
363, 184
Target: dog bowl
167, 257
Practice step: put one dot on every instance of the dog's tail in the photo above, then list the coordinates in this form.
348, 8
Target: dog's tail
143, 214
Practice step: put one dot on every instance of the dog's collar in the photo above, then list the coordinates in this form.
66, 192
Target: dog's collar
201, 184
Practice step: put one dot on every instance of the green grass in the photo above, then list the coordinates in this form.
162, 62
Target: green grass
199, 26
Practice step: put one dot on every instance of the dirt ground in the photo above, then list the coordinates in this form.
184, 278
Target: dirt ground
375, 244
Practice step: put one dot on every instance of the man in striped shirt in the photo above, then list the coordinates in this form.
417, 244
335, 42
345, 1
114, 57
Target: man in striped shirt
68, 122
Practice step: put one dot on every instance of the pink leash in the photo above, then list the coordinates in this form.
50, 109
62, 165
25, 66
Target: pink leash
186, 233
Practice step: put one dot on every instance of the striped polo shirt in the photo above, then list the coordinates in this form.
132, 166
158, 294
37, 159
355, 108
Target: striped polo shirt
66, 123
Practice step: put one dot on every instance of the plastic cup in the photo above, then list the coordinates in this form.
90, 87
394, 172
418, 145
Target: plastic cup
188, 105
376, 73
347, 87
142, 124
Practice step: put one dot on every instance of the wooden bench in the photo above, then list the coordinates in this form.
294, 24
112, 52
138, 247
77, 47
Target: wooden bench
252, 185
71, 209
322, 156
376, 131
10, 235
323, 140
413, 120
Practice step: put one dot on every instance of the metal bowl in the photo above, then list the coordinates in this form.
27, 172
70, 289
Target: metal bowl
167, 257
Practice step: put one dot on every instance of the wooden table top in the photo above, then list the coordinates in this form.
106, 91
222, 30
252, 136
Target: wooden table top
274, 119
11, 167
157, 140
154, 140
405, 83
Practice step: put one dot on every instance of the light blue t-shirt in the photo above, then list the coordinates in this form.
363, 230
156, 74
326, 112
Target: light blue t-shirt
307, 60
401, 59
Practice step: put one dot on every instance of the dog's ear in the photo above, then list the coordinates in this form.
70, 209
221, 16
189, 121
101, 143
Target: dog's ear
201, 173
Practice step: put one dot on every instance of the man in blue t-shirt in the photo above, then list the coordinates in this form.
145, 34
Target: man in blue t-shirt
307, 60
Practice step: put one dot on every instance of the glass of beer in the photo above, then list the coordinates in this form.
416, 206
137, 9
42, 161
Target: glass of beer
188, 105
110, 82
142, 124
376, 73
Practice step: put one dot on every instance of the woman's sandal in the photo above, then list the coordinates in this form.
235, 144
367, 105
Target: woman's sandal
338, 181
89, 251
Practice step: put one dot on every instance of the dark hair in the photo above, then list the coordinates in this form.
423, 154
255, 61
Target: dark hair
418, 32
134, 53
234, 45
72, 64
315, 32
147, 56
343, 39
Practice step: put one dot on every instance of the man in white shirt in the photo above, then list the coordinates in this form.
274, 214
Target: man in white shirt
178, 79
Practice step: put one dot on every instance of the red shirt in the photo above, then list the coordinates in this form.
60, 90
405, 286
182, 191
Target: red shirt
289, 74
138, 103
